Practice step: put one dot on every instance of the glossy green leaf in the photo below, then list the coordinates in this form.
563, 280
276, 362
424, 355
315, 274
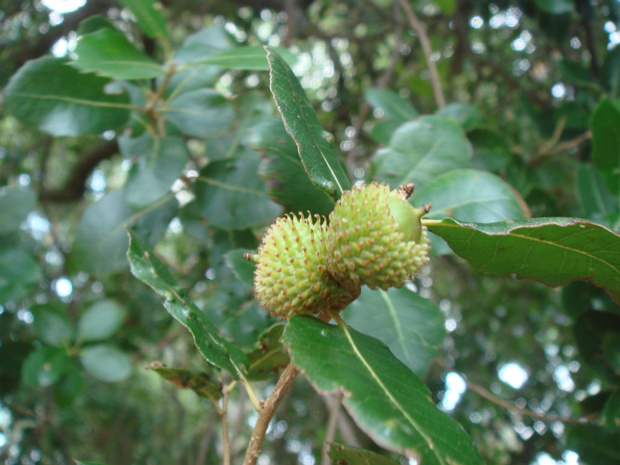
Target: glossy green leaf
100, 321
392, 105
160, 162
606, 141
421, 150
411, 326
467, 115
251, 58
230, 194
553, 251
383, 396
469, 195
182, 378
106, 363
282, 170
319, 157
269, 355
611, 413
51, 324
148, 268
241, 266
203, 44
202, 113
15, 205
66, 102
107, 52
18, 272
149, 16
597, 203
341, 454
45, 366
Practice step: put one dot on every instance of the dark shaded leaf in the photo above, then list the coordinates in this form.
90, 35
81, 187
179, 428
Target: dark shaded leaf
269, 356
591, 330
594, 444
287, 181
45, 366
606, 141
51, 324
231, 195
317, 153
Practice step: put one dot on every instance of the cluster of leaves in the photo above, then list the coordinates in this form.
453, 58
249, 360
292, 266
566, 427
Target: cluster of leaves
188, 187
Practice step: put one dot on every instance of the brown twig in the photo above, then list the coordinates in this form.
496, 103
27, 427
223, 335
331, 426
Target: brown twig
267, 412
483, 392
558, 148
417, 27
382, 82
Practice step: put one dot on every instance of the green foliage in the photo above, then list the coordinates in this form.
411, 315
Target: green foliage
155, 155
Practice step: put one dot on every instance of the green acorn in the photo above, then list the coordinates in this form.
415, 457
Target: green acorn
291, 275
376, 237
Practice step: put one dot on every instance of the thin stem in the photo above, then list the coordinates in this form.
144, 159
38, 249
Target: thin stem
483, 392
224, 415
417, 27
333, 405
267, 412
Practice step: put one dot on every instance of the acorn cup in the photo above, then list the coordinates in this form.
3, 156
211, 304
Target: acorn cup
291, 274
376, 238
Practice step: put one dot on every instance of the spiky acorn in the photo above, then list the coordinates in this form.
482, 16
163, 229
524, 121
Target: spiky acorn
291, 275
376, 237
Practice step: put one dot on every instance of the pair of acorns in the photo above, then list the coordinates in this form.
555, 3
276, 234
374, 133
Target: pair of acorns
307, 266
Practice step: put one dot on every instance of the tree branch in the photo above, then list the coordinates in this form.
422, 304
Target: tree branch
75, 185
417, 27
267, 412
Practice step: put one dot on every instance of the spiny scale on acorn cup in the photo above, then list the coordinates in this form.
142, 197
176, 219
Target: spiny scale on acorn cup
291, 275
376, 237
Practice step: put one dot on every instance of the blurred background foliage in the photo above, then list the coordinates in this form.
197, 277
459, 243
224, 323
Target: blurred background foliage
528, 81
